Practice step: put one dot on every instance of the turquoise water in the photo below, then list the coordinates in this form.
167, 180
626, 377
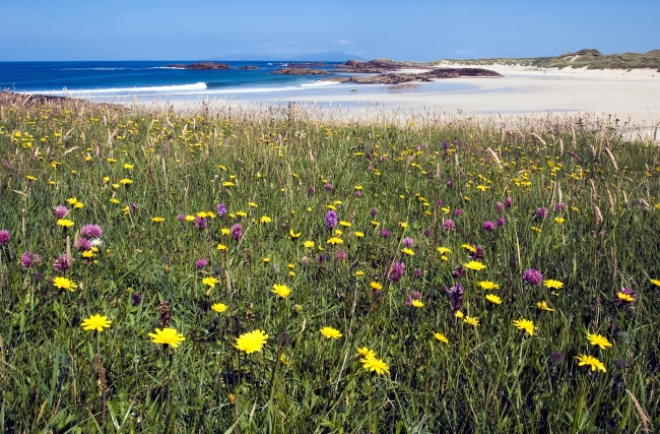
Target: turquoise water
146, 81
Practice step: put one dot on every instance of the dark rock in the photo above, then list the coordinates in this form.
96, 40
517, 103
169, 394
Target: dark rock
301, 71
201, 66
248, 67
423, 77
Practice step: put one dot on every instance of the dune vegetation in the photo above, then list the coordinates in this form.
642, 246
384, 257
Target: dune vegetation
170, 272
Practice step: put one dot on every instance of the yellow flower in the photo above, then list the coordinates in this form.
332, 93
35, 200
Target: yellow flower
88, 254
591, 361
210, 281
219, 307
72, 200
158, 219
252, 205
221, 247
190, 218
225, 231
470, 320
265, 219
241, 213
494, 299
115, 201
469, 248
376, 286
404, 224
31, 178
656, 282
440, 337
308, 244
294, 234
281, 290
251, 342
359, 234
598, 341
96, 322
65, 223
559, 220
345, 224
525, 324
228, 184
459, 314
443, 250
487, 285
331, 333
335, 240
167, 336
542, 305
445, 209
128, 166
125, 181
554, 284
339, 232
373, 364
78, 205
408, 251
417, 303
625, 297
482, 187
366, 352
474, 265
375, 223
266, 260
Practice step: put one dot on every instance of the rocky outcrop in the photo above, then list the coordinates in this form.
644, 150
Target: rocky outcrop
376, 66
423, 77
248, 67
202, 66
301, 71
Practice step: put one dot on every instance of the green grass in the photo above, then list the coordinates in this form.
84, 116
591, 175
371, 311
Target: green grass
591, 59
56, 377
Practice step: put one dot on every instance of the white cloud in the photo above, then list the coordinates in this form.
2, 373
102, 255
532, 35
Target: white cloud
344, 42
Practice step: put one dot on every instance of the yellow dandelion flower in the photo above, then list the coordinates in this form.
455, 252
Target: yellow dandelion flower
487, 285
265, 219
474, 265
598, 341
554, 284
158, 219
417, 303
656, 282
542, 305
525, 324
167, 336
560, 220
443, 250
331, 333
125, 181
251, 342
65, 223
294, 234
376, 286
96, 322
222, 247
494, 299
335, 240
373, 364
441, 338
345, 224
591, 361
408, 251
219, 307
210, 282
281, 290
469, 248
473, 321
308, 244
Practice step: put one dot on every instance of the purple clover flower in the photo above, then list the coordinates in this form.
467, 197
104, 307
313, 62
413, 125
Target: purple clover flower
201, 263
236, 233
331, 220
560, 207
373, 211
408, 242
449, 225
396, 272
385, 233
221, 210
508, 202
499, 207
83, 244
541, 213
501, 222
91, 231
201, 223
63, 262
533, 277
29, 259
488, 225
60, 211
5, 236
181, 217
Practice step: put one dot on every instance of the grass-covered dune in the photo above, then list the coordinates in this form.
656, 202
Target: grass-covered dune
589, 58
202, 273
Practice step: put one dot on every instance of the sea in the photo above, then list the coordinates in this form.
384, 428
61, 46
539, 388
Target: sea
155, 80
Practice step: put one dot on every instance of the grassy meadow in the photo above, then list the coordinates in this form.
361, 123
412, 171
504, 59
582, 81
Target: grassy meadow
282, 274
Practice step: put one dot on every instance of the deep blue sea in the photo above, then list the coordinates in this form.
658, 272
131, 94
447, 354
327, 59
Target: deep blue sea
144, 79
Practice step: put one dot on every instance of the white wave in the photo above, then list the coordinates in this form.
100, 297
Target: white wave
320, 83
96, 69
129, 90
166, 67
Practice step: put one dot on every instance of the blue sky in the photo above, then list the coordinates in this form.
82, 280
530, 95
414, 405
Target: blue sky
402, 30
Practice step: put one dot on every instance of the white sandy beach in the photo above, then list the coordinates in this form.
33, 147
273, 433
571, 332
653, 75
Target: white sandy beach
632, 97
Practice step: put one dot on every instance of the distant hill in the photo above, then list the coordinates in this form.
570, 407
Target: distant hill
327, 56
590, 58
